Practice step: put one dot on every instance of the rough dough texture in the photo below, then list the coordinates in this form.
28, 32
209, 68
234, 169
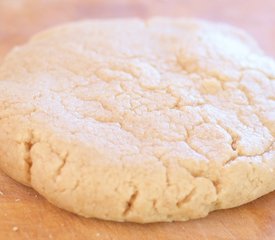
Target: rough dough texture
143, 121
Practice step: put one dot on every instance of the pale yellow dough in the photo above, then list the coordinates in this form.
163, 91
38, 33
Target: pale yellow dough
142, 121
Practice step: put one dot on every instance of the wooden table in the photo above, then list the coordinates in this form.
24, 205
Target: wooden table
26, 215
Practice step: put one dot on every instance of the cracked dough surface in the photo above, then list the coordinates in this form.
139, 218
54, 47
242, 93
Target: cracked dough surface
142, 121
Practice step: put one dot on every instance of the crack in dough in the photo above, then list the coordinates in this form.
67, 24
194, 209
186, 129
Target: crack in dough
130, 203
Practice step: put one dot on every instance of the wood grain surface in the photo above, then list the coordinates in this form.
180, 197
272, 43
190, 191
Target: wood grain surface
26, 215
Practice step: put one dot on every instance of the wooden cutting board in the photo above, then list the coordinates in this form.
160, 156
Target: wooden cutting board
26, 215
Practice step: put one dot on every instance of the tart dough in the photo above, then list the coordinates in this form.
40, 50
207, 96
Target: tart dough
141, 121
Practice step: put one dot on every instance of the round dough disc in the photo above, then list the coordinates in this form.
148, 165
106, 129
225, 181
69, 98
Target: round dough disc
142, 121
